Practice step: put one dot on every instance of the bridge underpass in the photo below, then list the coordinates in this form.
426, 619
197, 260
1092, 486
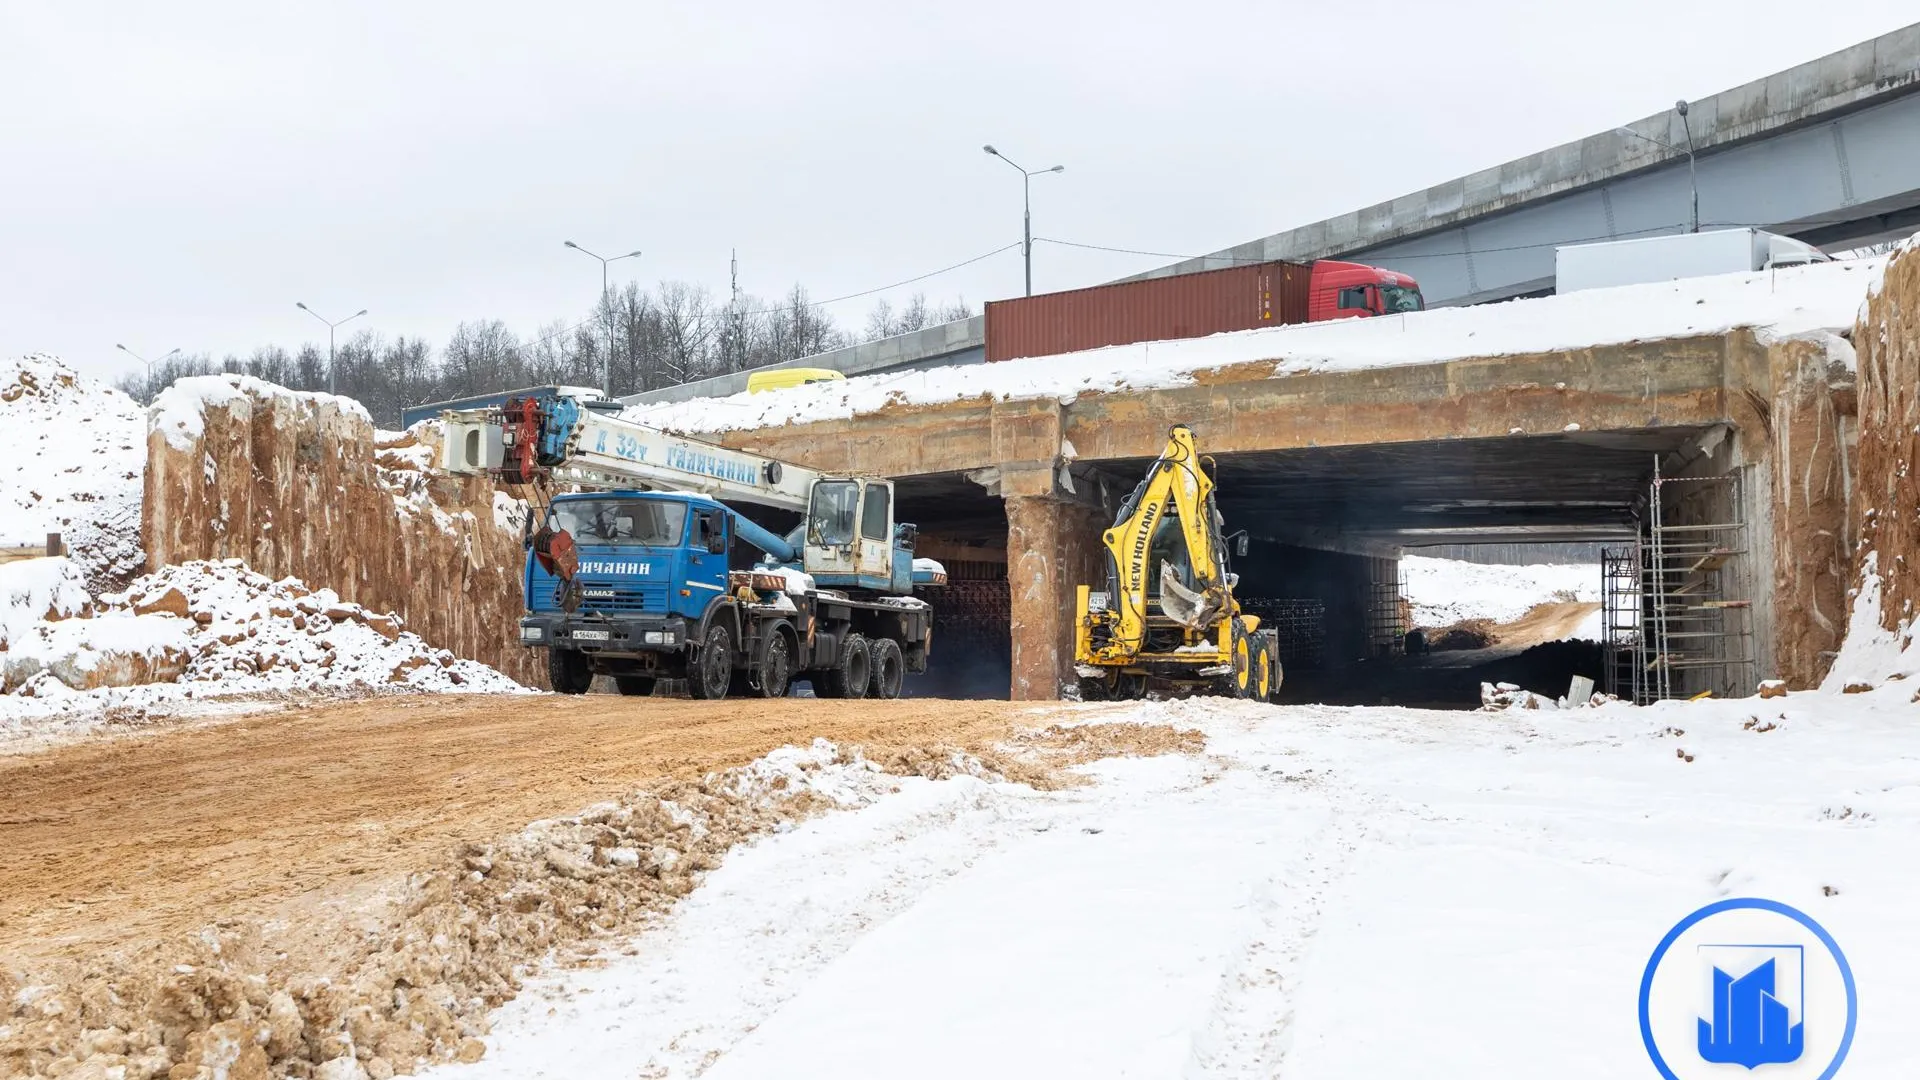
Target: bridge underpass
1326, 526
1335, 473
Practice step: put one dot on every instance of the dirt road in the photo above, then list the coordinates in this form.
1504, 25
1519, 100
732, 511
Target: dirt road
110, 844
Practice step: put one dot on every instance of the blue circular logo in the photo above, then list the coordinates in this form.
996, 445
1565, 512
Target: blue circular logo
1748, 982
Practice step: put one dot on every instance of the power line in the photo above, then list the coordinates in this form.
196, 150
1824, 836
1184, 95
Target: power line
817, 303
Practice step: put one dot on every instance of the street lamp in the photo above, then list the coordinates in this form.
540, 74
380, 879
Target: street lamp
147, 362
332, 383
1026, 188
1693, 177
606, 303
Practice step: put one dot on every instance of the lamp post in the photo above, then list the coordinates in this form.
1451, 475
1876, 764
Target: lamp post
1693, 177
606, 303
333, 384
163, 359
1026, 194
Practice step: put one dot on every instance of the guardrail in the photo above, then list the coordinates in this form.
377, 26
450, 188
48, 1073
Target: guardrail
52, 547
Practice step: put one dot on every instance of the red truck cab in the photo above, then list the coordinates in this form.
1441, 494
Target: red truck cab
1344, 290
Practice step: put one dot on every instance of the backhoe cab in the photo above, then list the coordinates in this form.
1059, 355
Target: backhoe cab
1168, 614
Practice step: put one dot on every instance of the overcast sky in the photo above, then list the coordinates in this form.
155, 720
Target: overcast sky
179, 174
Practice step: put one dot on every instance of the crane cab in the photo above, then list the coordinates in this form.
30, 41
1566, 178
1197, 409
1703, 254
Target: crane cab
850, 538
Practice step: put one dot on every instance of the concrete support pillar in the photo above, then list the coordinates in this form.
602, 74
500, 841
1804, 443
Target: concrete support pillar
1053, 546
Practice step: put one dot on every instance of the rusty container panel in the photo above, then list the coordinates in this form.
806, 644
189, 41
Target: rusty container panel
1157, 309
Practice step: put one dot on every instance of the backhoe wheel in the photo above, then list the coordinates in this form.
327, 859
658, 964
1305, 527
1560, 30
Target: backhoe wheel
889, 668
1262, 673
711, 672
569, 671
634, 685
1243, 649
1128, 686
851, 670
775, 668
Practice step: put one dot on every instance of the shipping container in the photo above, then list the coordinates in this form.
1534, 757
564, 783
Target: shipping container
1156, 309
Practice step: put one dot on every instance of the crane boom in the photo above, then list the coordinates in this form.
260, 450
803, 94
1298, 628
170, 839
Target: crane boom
577, 443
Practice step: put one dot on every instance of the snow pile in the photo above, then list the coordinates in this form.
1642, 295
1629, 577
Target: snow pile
1781, 303
36, 590
216, 629
1448, 591
75, 452
179, 413
1872, 656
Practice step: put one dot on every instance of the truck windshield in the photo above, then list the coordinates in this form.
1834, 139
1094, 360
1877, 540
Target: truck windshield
1398, 298
830, 520
636, 522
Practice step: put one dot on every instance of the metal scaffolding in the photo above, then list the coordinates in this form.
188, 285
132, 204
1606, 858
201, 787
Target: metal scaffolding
1696, 635
1623, 674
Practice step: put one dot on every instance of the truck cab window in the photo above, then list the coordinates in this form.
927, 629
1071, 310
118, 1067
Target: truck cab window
1399, 298
873, 515
620, 522
830, 517
1354, 299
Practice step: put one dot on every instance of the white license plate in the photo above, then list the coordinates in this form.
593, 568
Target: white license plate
593, 635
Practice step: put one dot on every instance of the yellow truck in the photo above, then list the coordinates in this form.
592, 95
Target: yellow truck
781, 378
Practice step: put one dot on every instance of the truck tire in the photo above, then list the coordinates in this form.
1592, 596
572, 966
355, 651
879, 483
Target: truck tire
710, 672
774, 670
851, 671
634, 685
889, 668
569, 671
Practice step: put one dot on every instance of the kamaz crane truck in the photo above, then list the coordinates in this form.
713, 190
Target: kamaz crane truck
639, 573
1167, 612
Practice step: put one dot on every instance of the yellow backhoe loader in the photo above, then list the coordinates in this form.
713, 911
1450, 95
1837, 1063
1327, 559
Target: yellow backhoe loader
1168, 616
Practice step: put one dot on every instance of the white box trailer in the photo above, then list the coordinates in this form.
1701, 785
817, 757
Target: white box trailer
1667, 258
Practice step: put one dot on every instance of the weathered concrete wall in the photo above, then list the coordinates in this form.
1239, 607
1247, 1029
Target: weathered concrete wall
1053, 547
1683, 382
1886, 494
294, 486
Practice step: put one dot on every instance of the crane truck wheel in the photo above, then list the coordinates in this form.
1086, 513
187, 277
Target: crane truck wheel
569, 671
851, 671
889, 668
774, 669
710, 673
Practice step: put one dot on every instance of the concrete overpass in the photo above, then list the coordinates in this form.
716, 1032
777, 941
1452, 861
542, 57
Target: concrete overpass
1334, 473
1828, 151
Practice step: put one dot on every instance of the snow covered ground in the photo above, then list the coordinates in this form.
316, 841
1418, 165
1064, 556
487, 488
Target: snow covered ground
1798, 300
76, 455
1322, 893
1447, 591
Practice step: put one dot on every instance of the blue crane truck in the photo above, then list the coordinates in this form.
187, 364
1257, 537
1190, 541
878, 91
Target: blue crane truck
646, 574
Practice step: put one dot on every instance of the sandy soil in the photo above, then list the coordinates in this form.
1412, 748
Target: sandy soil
105, 843
365, 880
1546, 622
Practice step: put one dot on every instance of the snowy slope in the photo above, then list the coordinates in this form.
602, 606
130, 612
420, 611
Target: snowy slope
1447, 591
1799, 300
1325, 894
75, 452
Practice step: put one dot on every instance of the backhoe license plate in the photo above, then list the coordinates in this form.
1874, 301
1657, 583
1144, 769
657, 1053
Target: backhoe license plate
593, 635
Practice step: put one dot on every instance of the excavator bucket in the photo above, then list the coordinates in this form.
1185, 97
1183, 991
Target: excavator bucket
1181, 604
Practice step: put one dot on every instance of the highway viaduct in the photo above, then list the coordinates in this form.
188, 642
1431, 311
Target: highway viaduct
1334, 473
1828, 151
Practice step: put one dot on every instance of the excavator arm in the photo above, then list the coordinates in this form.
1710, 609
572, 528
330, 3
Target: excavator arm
1168, 610
1174, 501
